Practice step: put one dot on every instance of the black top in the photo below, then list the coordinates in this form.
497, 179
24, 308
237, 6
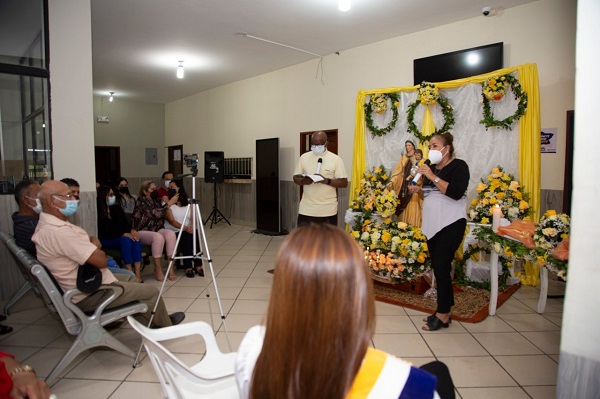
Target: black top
24, 227
456, 173
115, 226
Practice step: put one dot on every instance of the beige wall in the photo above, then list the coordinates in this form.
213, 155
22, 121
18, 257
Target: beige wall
133, 126
285, 102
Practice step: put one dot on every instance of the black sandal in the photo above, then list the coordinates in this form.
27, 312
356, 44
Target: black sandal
430, 318
189, 273
200, 272
5, 329
435, 324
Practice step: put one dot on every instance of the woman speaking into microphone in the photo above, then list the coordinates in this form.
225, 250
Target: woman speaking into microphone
444, 218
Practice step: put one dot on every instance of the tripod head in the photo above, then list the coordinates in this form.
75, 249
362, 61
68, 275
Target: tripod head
191, 162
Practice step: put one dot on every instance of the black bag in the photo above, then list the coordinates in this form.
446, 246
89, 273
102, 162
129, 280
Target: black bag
89, 278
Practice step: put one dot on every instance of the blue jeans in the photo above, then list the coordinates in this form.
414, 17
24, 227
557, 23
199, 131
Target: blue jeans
131, 251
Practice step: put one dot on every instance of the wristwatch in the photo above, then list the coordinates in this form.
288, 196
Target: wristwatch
436, 180
328, 182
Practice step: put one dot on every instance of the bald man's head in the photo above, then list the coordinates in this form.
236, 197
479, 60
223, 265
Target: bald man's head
318, 138
53, 195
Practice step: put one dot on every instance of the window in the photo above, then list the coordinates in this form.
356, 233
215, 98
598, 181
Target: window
25, 139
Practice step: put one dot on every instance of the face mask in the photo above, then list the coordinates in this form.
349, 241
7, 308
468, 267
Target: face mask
38, 205
154, 195
111, 201
435, 156
71, 207
172, 192
167, 183
124, 190
317, 149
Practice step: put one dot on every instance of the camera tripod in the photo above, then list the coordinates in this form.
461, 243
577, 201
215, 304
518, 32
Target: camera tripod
192, 213
216, 215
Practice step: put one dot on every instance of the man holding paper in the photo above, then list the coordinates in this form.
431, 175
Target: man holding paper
321, 173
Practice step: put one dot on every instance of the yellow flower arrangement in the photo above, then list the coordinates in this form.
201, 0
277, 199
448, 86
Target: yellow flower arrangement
552, 229
501, 189
428, 93
374, 198
396, 251
378, 103
495, 87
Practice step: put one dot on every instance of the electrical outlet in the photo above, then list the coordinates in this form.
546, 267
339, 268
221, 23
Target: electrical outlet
102, 119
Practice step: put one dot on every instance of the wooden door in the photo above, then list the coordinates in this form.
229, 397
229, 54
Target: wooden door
175, 159
108, 164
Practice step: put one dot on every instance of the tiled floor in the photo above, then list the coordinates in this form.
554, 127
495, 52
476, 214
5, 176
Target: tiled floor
512, 355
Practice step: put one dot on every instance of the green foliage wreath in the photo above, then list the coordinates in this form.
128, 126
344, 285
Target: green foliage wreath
424, 97
461, 277
494, 89
378, 104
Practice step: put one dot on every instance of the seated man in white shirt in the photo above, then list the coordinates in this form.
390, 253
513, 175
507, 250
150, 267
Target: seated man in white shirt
62, 247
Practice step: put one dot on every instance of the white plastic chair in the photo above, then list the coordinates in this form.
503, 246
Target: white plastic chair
212, 377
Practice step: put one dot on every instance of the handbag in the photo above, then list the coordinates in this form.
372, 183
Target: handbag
89, 278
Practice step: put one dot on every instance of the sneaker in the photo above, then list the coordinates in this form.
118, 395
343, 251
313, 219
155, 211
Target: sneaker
177, 317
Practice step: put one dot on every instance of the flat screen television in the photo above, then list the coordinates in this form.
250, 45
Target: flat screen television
459, 64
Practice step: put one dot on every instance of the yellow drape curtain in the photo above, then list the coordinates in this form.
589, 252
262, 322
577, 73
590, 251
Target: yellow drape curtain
529, 139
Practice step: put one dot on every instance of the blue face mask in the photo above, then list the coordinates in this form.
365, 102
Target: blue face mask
71, 207
111, 200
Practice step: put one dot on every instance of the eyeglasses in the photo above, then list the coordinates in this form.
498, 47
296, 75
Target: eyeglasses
69, 196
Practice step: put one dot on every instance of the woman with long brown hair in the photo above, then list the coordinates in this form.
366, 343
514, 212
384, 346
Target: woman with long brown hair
318, 328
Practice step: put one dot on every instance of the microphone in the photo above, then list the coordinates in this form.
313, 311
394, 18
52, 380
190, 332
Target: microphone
418, 175
319, 163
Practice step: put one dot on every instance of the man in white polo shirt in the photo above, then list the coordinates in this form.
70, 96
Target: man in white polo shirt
62, 247
319, 202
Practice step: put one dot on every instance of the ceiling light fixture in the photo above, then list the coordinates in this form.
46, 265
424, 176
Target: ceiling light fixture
180, 70
111, 98
344, 5
244, 34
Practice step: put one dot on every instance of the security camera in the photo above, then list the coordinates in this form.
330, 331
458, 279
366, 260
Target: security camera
486, 11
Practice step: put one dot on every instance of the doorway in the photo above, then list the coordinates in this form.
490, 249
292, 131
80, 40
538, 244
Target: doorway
175, 159
108, 164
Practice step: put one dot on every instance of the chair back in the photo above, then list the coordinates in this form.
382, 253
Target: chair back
212, 377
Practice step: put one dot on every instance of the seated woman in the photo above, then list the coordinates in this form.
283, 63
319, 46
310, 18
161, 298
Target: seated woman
115, 232
174, 220
124, 198
148, 220
319, 324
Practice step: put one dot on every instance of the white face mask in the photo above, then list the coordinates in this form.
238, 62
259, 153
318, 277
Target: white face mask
38, 205
167, 183
435, 156
317, 149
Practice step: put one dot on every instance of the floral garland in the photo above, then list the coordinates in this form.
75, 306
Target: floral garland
428, 94
494, 89
378, 104
396, 251
472, 252
374, 197
502, 189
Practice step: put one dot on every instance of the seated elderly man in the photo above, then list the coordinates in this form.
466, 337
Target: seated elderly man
62, 247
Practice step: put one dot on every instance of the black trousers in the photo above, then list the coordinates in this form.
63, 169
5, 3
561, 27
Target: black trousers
186, 247
442, 247
303, 219
445, 386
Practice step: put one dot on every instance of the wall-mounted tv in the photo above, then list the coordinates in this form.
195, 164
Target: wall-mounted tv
459, 64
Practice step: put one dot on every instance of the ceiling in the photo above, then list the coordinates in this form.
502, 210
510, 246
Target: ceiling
137, 43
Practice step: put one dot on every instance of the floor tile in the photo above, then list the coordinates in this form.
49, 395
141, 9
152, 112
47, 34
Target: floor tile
541, 392
249, 306
402, 345
511, 343
147, 390
490, 324
530, 370
547, 341
514, 306
529, 322
482, 371
394, 325
81, 388
443, 345
493, 393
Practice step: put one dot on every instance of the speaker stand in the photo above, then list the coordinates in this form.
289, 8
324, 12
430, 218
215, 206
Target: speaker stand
215, 216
